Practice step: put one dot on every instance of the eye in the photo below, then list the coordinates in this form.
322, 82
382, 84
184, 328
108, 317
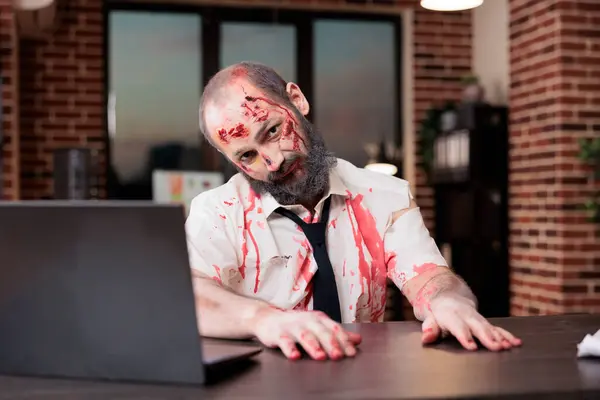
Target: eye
247, 156
273, 131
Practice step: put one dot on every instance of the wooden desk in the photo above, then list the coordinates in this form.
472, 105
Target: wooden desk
392, 364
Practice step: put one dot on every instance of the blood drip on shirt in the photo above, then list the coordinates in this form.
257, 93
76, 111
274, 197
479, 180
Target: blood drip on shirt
303, 304
366, 232
252, 196
420, 269
398, 277
218, 272
303, 266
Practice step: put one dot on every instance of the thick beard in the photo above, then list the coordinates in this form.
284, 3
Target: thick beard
310, 187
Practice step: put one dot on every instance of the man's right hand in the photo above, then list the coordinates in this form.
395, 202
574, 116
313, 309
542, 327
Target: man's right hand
321, 337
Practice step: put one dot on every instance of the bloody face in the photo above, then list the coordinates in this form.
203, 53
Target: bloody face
271, 143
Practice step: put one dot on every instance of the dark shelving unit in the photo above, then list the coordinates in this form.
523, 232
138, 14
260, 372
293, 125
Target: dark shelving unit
471, 190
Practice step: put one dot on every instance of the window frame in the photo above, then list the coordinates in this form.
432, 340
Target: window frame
213, 16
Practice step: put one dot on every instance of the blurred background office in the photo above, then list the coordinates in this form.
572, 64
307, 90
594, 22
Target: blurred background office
489, 109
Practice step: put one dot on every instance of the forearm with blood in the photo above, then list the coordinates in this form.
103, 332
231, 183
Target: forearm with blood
443, 284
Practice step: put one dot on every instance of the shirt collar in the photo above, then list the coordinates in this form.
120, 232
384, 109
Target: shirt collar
336, 186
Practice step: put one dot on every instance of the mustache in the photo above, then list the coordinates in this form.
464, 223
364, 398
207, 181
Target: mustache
284, 168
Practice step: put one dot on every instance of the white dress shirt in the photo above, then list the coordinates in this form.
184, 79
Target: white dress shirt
236, 238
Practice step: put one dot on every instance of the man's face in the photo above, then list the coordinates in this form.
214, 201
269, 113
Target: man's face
271, 143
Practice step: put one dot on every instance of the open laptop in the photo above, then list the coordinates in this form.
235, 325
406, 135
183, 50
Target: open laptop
101, 290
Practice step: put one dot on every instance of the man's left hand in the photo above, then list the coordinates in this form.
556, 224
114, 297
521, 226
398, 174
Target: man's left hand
455, 315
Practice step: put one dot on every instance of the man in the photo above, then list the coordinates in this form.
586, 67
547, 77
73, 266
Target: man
261, 271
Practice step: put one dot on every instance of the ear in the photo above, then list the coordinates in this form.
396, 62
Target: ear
297, 98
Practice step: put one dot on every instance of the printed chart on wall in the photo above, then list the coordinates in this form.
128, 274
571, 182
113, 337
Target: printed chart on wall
180, 187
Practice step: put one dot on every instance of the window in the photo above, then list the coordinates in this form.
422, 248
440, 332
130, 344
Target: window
355, 84
154, 89
273, 45
347, 66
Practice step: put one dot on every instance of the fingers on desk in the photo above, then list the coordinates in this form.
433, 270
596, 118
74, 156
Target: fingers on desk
509, 336
492, 337
462, 332
431, 330
288, 347
355, 338
336, 341
485, 332
309, 341
346, 340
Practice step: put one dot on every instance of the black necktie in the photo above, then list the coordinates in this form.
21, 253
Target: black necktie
325, 295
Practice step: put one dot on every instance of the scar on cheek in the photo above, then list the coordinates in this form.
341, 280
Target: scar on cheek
267, 159
246, 169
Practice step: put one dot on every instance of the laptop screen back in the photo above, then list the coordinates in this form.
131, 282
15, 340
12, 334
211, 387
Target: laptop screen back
97, 290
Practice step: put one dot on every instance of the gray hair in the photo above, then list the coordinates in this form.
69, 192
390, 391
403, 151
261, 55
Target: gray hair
258, 75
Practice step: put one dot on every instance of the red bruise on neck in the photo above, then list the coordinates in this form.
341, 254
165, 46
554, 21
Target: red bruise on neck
237, 132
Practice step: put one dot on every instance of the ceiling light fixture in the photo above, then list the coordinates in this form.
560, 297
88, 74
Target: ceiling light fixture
382, 158
450, 5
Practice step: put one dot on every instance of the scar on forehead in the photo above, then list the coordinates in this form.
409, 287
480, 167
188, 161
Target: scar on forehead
238, 72
237, 132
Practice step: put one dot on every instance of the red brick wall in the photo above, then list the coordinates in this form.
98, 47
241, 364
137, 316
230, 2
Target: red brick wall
62, 93
554, 100
442, 56
61, 84
9, 78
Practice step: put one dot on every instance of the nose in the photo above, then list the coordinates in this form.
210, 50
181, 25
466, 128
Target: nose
273, 159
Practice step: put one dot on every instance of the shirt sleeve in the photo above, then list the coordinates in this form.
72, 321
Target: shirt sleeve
210, 245
409, 248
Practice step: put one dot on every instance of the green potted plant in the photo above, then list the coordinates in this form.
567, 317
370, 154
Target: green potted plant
473, 91
589, 153
429, 128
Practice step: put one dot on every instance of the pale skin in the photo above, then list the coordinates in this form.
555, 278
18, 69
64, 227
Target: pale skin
258, 139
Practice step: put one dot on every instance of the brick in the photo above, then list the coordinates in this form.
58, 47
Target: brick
57, 107
9, 184
554, 55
